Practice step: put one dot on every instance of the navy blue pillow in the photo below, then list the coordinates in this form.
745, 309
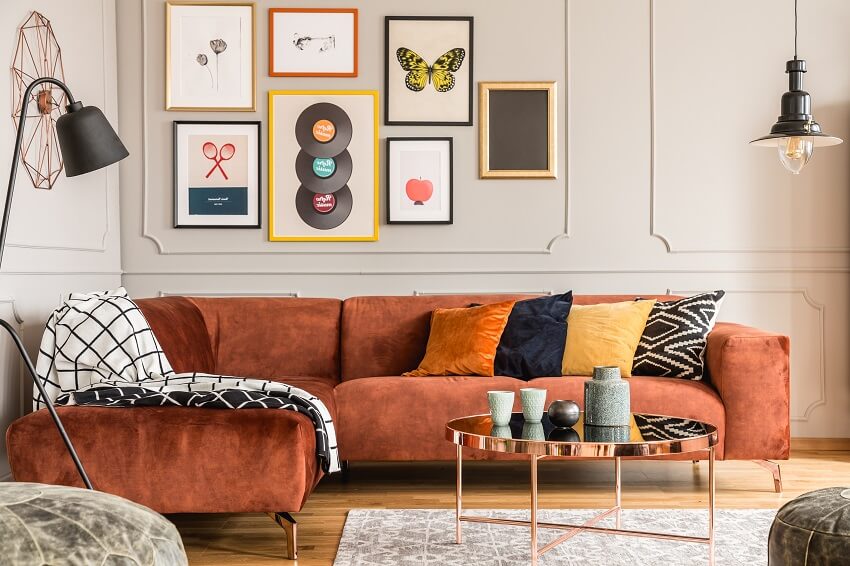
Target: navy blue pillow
532, 344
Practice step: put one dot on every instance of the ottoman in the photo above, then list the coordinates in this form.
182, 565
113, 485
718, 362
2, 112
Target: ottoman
50, 524
813, 529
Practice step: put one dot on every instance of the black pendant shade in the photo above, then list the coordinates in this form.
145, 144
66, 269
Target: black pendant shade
796, 118
87, 140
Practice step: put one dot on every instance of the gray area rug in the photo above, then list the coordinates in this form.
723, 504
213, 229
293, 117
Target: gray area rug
408, 537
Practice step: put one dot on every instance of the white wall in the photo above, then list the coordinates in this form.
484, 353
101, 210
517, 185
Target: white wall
65, 239
657, 190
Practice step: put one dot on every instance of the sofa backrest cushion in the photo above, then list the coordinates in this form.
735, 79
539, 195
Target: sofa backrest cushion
262, 337
179, 326
384, 336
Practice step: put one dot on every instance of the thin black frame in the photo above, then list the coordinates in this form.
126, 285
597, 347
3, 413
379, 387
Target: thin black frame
451, 179
387, 20
175, 126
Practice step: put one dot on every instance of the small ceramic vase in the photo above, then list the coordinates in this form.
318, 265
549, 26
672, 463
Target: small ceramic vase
564, 413
606, 398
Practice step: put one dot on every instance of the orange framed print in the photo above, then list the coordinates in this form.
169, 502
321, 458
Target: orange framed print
313, 42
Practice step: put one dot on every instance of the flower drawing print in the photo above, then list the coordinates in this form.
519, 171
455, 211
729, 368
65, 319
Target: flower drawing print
218, 47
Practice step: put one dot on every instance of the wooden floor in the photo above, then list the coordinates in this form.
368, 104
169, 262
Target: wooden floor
213, 540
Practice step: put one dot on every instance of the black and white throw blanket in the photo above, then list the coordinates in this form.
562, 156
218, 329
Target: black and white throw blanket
98, 349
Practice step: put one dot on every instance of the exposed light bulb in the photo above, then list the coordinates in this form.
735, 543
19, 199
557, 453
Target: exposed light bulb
795, 152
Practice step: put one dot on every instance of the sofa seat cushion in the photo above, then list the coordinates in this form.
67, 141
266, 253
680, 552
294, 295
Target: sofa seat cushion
175, 459
404, 418
318, 386
655, 395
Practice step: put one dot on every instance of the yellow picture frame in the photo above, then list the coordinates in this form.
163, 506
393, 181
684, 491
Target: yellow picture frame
169, 106
271, 165
485, 171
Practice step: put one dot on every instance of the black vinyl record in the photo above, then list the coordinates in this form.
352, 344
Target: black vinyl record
313, 182
304, 200
319, 113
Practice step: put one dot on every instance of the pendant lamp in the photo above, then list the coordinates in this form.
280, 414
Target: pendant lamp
795, 133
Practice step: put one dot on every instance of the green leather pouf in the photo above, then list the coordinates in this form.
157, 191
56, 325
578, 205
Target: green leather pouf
57, 525
813, 529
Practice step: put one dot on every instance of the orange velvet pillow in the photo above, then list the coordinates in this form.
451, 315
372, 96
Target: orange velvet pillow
464, 341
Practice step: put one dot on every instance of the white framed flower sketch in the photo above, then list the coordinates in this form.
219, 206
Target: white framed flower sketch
210, 56
313, 42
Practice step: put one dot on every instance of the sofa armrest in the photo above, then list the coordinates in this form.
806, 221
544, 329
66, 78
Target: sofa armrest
750, 370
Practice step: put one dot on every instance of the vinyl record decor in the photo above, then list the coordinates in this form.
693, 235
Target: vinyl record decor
428, 70
323, 165
216, 174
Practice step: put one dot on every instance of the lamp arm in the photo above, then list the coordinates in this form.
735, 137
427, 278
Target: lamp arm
17, 153
5, 224
51, 409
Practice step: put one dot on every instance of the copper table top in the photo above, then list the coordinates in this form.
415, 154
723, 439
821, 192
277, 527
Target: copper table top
648, 435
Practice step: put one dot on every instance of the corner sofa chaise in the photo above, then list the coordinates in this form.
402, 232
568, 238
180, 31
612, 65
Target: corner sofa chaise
351, 354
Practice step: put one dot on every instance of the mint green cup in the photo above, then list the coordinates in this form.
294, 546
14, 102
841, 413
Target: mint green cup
533, 403
501, 406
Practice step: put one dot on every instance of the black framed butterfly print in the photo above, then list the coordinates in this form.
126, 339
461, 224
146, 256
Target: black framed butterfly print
428, 70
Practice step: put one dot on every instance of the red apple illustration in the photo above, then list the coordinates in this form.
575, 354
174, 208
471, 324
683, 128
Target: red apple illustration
419, 190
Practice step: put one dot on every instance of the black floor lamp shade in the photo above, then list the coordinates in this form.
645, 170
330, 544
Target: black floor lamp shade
87, 140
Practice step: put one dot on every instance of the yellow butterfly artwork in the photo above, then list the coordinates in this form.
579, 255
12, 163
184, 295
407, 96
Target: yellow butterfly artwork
440, 74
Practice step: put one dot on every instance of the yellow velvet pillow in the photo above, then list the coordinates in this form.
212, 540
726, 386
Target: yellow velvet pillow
604, 335
464, 341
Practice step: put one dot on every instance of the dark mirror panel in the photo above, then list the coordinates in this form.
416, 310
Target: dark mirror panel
519, 130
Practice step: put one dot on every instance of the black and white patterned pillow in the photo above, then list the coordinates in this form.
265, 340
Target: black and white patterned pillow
674, 340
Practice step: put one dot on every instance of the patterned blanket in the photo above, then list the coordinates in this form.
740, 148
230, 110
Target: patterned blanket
98, 349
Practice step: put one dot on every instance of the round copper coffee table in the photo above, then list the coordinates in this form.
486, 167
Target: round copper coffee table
647, 436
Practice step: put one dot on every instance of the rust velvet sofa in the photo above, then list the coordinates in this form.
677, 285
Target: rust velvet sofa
351, 354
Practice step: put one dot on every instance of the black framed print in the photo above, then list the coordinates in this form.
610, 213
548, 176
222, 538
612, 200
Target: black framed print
419, 180
216, 174
517, 133
428, 70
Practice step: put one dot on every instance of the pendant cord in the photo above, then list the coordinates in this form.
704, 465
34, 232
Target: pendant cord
795, 30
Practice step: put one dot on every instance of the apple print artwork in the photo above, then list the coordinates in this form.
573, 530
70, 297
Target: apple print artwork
419, 190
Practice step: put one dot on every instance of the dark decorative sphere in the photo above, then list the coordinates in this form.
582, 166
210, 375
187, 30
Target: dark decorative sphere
564, 413
563, 435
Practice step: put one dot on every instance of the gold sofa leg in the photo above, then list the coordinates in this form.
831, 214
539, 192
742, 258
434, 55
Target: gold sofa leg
289, 525
773, 468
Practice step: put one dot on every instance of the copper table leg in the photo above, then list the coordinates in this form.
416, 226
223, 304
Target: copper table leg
711, 497
534, 553
617, 490
458, 493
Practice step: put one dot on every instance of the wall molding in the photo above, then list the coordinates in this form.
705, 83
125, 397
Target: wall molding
422, 293
821, 444
161, 249
21, 402
653, 169
529, 271
820, 308
292, 294
107, 174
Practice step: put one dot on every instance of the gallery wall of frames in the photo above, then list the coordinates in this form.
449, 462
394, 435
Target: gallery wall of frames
322, 150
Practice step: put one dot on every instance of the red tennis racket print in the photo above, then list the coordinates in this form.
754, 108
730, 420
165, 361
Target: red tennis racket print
213, 153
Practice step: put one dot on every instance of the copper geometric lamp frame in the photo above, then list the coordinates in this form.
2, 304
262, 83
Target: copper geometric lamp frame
38, 54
